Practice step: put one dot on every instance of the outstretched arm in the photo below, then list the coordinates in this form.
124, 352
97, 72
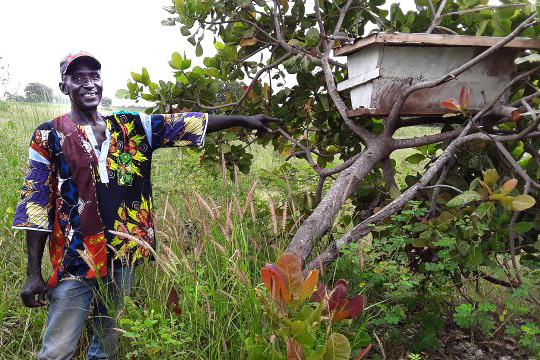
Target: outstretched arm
256, 122
35, 285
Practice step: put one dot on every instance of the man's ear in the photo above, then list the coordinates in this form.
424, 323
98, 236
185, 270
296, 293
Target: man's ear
62, 87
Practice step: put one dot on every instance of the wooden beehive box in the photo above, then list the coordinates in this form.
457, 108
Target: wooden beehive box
381, 64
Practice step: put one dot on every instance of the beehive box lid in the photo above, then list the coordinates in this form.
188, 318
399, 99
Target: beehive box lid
420, 39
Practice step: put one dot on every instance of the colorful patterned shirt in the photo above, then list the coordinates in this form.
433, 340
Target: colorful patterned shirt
78, 192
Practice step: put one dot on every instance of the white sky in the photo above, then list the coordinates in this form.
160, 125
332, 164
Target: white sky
124, 35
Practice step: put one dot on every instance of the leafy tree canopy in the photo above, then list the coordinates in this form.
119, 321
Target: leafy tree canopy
36, 92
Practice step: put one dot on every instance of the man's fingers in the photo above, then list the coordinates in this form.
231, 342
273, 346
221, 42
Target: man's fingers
274, 120
30, 301
42, 298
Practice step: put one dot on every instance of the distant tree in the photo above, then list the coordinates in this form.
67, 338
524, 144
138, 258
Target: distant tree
36, 92
106, 102
13, 97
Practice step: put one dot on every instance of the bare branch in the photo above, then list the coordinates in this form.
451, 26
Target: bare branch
388, 173
340, 104
347, 163
436, 19
513, 163
432, 8
440, 181
276, 21
318, 193
473, 10
424, 140
306, 150
438, 186
445, 29
512, 246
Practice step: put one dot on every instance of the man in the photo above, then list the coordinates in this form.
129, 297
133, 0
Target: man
88, 174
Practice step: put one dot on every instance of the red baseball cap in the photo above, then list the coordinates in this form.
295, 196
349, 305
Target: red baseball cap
71, 58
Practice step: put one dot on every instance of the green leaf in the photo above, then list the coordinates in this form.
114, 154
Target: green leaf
186, 63
176, 61
415, 158
484, 209
312, 37
212, 72
337, 347
522, 202
185, 31
465, 198
523, 227
198, 49
475, 258
482, 27
394, 193
122, 94
136, 77
145, 77
490, 177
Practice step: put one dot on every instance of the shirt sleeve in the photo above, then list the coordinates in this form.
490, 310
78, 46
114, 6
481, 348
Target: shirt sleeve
35, 210
172, 130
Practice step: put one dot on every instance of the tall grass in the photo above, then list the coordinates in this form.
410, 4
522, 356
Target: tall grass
211, 245
213, 237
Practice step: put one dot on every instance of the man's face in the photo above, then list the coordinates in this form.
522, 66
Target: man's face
83, 85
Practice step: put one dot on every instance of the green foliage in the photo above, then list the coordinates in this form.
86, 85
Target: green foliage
466, 316
36, 92
153, 332
315, 330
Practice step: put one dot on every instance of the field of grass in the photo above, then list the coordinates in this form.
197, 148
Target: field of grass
213, 238
213, 274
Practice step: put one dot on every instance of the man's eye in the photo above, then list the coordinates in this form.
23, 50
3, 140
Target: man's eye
95, 76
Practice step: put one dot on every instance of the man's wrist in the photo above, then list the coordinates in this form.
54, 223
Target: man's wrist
244, 120
32, 273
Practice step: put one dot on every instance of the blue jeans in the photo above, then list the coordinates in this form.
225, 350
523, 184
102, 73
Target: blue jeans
70, 302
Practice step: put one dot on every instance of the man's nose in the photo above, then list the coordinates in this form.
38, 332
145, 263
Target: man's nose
88, 82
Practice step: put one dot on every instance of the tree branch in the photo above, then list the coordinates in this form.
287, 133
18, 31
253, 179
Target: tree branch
364, 134
512, 162
388, 173
318, 193
437, 17
437, 190
365, 227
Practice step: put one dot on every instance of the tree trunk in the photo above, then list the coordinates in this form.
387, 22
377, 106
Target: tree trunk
322, 218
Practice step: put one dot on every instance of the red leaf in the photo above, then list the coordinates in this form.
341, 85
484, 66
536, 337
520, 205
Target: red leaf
319, 294
275, 283
172, 302
338, 296
355, 306
363, 352
294, 350
451, 104
462, 96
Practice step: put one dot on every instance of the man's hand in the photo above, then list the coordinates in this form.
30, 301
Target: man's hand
257, 122
35, 285
35, 244
260, 123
